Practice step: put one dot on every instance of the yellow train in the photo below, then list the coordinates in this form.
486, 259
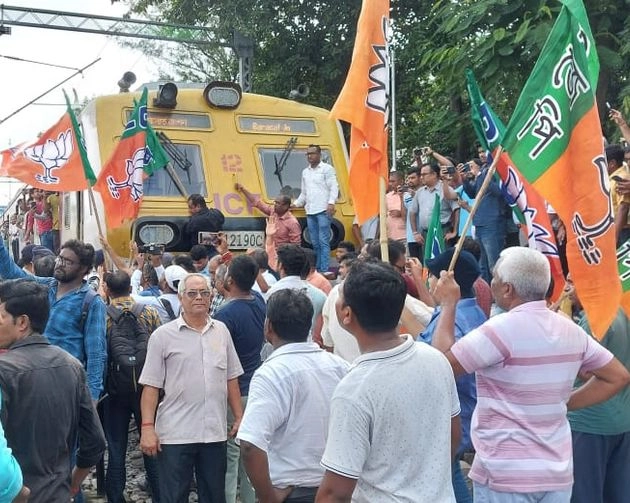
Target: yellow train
215, 136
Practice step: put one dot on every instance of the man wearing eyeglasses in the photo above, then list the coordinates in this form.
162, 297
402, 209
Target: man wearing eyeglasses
78, 330
192, 359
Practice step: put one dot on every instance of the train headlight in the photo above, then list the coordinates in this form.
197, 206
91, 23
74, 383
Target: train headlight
221, 94
156, 233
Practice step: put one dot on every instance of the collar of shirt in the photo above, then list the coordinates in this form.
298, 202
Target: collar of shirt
181, 322
534, 305
294, 348
388, 353
29, 340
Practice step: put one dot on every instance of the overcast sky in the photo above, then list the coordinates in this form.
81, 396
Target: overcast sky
22, 82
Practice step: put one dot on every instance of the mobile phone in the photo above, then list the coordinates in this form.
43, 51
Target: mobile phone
608, 106
617, 178
209, 238
450, 170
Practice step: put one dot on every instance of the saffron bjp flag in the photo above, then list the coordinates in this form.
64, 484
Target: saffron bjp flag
434, 244
137, 155
519, 193
623, 264
555, 139
364, 103
56, 161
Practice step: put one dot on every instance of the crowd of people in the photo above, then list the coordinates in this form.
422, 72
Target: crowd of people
285, 374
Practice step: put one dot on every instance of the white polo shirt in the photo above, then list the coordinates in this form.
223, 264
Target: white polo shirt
319, 188
288, 409
333, 334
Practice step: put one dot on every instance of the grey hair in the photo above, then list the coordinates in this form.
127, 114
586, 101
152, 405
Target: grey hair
221, 273
527, 270
181, 287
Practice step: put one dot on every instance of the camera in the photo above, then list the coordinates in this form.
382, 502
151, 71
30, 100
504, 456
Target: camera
151, 249
403, 188
466, 168
450, 170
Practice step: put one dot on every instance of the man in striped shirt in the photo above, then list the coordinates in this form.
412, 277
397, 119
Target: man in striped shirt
526, 361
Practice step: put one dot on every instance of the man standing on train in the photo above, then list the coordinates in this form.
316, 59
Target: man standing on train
318, 194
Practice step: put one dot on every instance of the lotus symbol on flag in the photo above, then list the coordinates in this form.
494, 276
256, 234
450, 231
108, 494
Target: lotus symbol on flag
52, 154
135, 173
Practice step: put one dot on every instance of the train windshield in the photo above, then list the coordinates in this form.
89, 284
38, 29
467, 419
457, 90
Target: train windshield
282, 169
185, 171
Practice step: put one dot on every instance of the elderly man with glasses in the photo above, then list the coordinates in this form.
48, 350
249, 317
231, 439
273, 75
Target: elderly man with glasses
192, 359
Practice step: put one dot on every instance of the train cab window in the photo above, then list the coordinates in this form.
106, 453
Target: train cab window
186, 164
282, 171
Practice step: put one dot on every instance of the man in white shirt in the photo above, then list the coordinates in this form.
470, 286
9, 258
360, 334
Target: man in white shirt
318, 194
394, 419
284, 429
293, 266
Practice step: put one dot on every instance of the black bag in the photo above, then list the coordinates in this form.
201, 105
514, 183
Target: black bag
127, 340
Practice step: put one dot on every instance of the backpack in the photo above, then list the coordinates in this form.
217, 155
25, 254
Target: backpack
127, 339
90, 295
168, 307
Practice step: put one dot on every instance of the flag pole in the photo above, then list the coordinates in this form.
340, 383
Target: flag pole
473, 210
96, 215
382, 220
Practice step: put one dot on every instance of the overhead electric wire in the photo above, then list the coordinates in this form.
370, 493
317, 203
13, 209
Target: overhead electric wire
15, 58
81, 70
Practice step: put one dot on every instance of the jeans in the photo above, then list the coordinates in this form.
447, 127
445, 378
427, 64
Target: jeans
483, 494
46, 239
235, 469
319, 232
491, 241
117, 412
462, 494
600, 468
175, 467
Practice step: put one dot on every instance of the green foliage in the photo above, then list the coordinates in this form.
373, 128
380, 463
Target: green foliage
310, 42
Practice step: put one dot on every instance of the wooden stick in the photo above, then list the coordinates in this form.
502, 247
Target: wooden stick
96, 215
473, 210
382, 185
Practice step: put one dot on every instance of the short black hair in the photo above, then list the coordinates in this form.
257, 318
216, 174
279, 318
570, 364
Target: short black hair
44, 266
197, 200
311, 258
472, 245
184, 261
284, 199
615, 153
436, 169
293, 260
413, 171
349, 258
376, 294
396, 250
347, 245
243, 271
198, 252
83, 251
261, 258
290, 313
118, 283
316, 147
26, 297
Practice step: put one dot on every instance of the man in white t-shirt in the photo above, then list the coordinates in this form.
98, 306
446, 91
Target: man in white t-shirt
394, 421
284, 429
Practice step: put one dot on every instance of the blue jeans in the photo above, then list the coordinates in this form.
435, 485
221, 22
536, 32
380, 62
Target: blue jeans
319, 232
117, 412
600, 468
491, 240
176, 463
46, 239
462, 494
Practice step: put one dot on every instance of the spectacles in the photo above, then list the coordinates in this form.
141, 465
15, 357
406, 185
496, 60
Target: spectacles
65, 261
193, 294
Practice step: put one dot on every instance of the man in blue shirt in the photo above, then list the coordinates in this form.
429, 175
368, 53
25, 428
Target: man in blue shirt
468, 316
244, 315
81, 335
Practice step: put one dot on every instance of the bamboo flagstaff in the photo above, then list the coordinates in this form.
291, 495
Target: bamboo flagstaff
473, 210
95, 210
